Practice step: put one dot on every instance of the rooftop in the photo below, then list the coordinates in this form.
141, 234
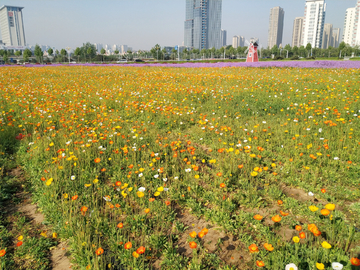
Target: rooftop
10, 7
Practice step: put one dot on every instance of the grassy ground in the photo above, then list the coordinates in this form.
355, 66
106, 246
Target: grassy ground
149, 168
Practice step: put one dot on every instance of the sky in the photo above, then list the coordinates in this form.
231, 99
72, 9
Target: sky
141, 24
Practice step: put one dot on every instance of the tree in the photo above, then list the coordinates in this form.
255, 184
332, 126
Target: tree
275, 50
295, 50
102, 52
63, 53
89, 51
173, 53
38, 53
27, 53
77, 52
5, 54
17, 53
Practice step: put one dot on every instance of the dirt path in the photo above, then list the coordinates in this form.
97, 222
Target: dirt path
59, 258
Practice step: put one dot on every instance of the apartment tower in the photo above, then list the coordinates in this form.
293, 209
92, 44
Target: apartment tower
12, 26
203, 24
297, 31
276, 26
313, 26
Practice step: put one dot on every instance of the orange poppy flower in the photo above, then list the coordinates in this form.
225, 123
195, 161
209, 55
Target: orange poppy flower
276, 218
222, 185
83, 210
268, 247
2, 252
258, 217
140, 250
279, 202
240, 166
253, 248
151, 199
298, 228
193, 234
192, 244
325, 212
205, 231
18, 244
75, 197
283, 213
323, 190
302, 235
118, 183
120, 225
97, 160
147, 210
355, 261
167, 203
316, 232
201, 234
311, 227
99, 251
260, 263
128, 245
219, 174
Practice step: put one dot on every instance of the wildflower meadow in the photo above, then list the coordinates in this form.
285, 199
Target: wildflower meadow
184, 167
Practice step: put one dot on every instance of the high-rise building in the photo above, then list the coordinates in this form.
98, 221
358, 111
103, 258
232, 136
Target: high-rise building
276, 26
242, 41
336, 37
313, 26
297, 31
12, 26
223, 37
327, 36
350, 24
235, 41
203, 24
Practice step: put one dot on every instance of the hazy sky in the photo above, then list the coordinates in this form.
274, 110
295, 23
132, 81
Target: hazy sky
141, 24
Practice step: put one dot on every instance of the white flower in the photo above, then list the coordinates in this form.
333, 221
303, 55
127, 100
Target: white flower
320, 129
188, 170
156, 154
311, 194
141, 189
107, 199
336, 158
165, 179
264, 122
336, 266
72, 177
140, 174
156, 176
176, 177
166, 189
291, 266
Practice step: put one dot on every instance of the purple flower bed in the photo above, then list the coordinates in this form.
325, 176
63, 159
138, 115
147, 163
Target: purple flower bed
293, 64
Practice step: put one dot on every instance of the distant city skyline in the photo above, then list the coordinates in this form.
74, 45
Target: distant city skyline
143, 23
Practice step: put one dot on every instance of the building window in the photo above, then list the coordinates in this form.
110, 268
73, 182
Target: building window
11, 21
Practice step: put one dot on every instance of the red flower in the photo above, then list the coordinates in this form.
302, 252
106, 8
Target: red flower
97, 160
222, 185
140, 250
355, 261
120, 225
193, 244
75, 197
18, 244
260, 263
2, 253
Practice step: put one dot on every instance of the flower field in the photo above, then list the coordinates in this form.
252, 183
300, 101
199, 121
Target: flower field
151, 167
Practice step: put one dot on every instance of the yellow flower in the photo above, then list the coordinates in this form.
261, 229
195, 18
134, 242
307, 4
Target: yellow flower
130, 189
326, 245
51, 144
124, 186
296, 239
43, 233
320, 266
273, 165
330, 206
157, 193
140, 194
87, 185
313, 208
319, 154
54, 235
65, 195
123, 194
160, 189
20, 238
141, 169
197, 176
95, 181
254, 173
48, 182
